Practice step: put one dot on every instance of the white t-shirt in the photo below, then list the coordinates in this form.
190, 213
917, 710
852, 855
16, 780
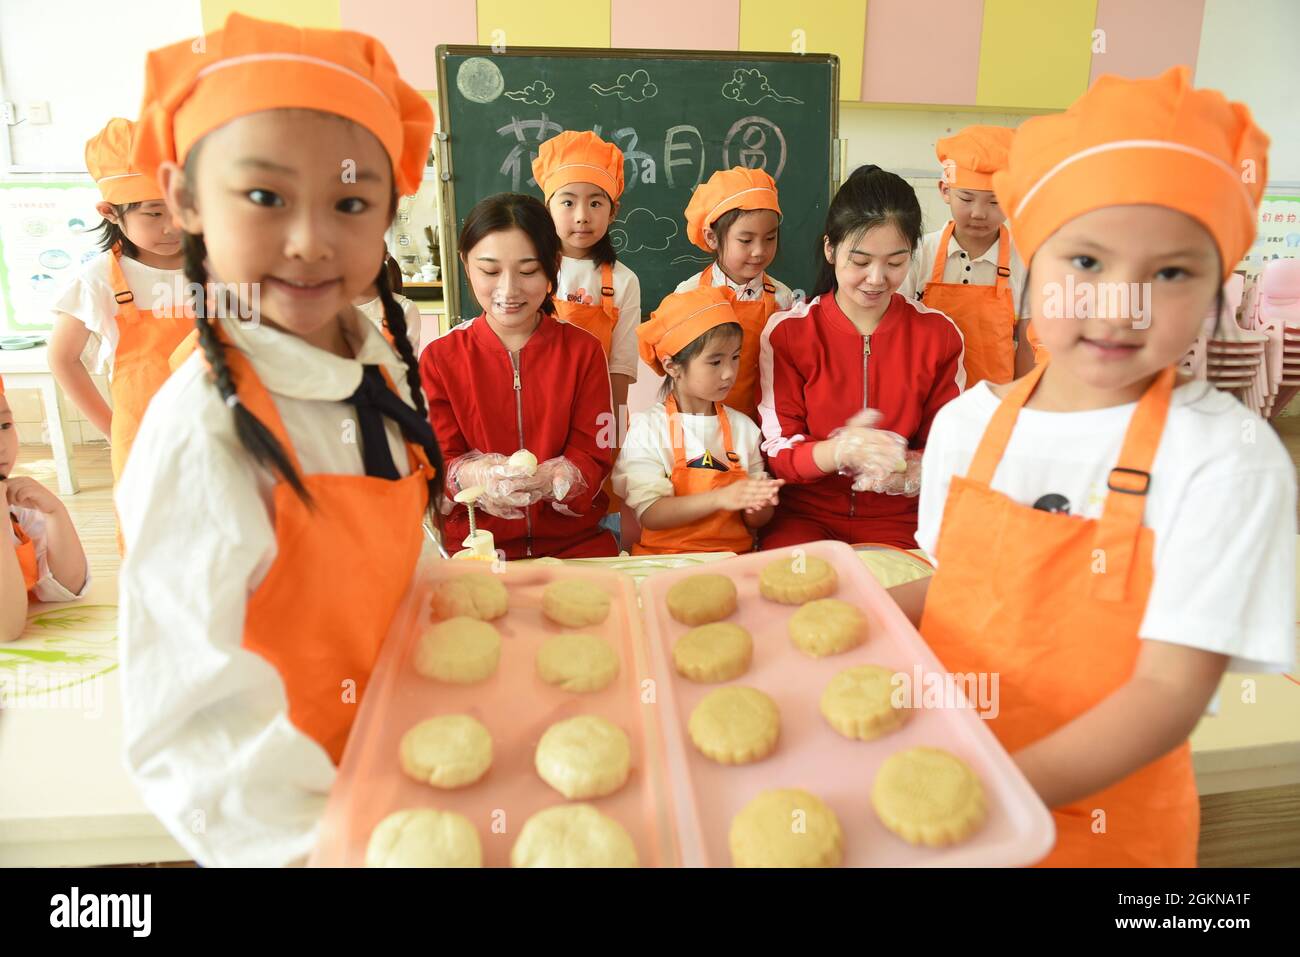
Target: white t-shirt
374, 311
961, 267
89, 299
745, 292
580, 282
642, 474
1222, 505
33, 523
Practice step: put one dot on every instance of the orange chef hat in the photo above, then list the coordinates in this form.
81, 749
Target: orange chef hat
108, 157
195, 86
728, 189
971, 157
1155, 141
573, 157
681, 319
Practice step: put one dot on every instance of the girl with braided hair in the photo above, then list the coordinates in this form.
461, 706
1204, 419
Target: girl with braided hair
273, 503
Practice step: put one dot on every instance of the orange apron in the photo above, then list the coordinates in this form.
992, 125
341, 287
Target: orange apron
986, 315
1053, 603
723, 531
1041, 355
342, 566
753, 316
145, 342
26, 550
598, 318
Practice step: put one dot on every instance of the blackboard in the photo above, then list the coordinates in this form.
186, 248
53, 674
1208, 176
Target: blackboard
677, 116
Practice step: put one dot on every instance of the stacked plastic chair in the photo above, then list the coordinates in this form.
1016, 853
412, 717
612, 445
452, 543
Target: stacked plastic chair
1274, 312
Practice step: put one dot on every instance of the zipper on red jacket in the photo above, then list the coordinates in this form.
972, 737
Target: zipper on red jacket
866, 354
519, 421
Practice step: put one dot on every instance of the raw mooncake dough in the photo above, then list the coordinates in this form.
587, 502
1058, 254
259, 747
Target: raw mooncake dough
795, 580
422, 837
786, 828
573, 835
449, 751
928, 796
827, 626
700, 599
718, 651
858, 703
584, 757
574, 603
459, 651
577, 662
478, 595
735, 725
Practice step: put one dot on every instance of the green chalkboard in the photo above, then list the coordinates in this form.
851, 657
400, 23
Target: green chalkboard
677, 116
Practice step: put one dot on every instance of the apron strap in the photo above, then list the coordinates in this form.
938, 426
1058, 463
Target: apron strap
675, 436
998, 432
706, 277
607, 292
121, 289
941, 253
1127, 486
733, 460
1004, 261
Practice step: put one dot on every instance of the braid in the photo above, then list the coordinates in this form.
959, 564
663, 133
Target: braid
395, 323
255, 437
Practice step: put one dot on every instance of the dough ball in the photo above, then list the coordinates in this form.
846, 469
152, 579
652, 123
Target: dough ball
575, 603
577, 662
584, 757
573, 835
460, 651
786, 828
827, 626
735, 725
700, 599
450, 751
480, 595
795, 580
422, 837
718, 651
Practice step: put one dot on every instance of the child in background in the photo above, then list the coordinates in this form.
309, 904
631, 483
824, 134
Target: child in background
978, 280
516, 379
1111, 538
581, 179
41, 558
736, 216
273, 503
852, 379
691, 468
371, 302
131, 296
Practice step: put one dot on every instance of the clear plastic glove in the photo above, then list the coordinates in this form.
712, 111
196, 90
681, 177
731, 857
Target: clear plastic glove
507, 490
869, 454
561, 482
906, 482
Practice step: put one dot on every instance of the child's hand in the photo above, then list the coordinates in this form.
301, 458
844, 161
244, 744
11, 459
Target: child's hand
29, 493
749, 495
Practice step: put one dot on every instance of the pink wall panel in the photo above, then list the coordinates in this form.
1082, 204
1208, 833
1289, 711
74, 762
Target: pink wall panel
922, 51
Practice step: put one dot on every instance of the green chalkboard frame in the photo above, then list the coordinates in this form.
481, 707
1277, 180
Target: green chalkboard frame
451, 216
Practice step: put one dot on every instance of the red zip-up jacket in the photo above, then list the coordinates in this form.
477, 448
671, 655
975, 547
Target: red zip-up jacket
551, 398
816, 370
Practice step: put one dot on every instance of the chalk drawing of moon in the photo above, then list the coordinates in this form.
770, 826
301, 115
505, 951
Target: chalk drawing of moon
479, 80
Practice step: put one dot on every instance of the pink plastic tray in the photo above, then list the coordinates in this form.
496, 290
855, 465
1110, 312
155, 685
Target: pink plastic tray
812, 756
517, 708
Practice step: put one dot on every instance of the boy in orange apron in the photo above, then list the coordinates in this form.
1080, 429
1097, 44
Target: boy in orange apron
736, 216
131, 296
691, 467
1106, 542
39, 547
274, 499
968, 269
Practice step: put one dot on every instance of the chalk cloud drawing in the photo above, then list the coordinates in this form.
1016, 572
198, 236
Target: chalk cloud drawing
641, 229
752, 87
479, 80
536, 93
634, 86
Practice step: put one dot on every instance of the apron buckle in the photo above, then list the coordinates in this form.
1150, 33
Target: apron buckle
1004, 271
1144, 476
130, 297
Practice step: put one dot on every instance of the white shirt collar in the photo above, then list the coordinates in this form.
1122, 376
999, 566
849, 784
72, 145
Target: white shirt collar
289, 366
750, 290
989, 255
